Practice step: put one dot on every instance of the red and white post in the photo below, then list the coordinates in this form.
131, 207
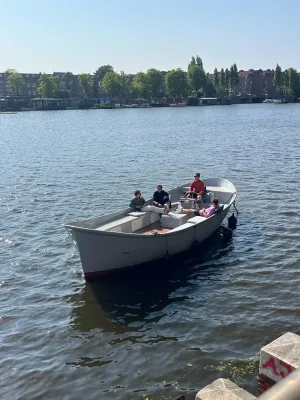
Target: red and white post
278, 359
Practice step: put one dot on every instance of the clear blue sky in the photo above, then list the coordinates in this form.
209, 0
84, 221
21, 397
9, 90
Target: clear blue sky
132, 35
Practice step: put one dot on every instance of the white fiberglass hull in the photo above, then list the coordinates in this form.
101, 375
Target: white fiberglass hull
103, 252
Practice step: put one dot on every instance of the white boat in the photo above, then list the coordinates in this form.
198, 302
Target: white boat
125, 239
275, 101
269, 101
280, 101
178, 105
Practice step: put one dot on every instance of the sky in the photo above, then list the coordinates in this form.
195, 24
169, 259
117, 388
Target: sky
77, 36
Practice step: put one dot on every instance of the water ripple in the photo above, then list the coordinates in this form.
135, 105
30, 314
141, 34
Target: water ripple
152, 332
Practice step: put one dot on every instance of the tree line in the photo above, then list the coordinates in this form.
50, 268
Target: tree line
287, 82
194, 82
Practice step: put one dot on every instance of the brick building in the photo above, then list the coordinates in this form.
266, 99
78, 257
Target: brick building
67, 82
259, 83
31, 81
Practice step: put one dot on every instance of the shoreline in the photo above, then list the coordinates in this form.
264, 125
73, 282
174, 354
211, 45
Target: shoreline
15, 111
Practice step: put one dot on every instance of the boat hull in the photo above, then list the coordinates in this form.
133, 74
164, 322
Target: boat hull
103, 252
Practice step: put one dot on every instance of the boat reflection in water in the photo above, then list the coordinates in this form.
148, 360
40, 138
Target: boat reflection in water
128, 301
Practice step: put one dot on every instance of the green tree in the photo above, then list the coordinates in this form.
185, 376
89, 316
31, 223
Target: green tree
102, 71
199, 62
112, 84
125, 85
222, 82
16, 83
278, 78
155, 80
235, 79
227, 81
86, 84
285, 82
232, 79
99, 75
141, 85
60, 94
210, 90
67, 84
192, 63
10, 71
216, 81
176, 82
294, 82
47, 85
196, 78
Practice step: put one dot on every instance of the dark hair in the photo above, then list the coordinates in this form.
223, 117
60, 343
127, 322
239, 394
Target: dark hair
137, 192
215, 201
159, 186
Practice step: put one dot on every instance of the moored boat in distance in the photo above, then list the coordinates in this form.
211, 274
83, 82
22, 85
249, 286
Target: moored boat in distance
275, 101
269, 101
280, 101
125, 239
178, 105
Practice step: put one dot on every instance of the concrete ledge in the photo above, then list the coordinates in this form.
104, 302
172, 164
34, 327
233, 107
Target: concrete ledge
223, 389
280, 357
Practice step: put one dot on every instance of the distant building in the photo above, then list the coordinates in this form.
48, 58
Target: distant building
241, 87
260, 83
31, 82
268, 83
210, 77
68, 82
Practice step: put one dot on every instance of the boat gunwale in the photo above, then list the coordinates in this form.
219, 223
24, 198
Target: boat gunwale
138, 235
127, 210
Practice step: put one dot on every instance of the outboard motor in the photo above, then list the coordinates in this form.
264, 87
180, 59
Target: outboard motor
232, 221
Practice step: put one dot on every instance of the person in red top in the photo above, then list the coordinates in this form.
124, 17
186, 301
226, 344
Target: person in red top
197, 188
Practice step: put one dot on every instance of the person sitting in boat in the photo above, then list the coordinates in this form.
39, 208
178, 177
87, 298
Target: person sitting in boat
161, 198
197, 188
205, 212
138, 203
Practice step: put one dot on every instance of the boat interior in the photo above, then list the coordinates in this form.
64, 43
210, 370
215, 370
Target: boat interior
151, 223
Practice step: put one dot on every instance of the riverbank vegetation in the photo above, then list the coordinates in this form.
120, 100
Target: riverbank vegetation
152, 84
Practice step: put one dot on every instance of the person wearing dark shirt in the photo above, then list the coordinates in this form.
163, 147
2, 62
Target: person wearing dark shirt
138, 203
160, 197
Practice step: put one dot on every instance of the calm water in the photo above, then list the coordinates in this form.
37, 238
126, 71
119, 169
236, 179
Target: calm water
151, 333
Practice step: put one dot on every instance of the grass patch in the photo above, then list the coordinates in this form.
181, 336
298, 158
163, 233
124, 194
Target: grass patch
237, 370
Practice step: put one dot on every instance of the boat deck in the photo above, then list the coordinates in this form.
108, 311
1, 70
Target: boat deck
152, 229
